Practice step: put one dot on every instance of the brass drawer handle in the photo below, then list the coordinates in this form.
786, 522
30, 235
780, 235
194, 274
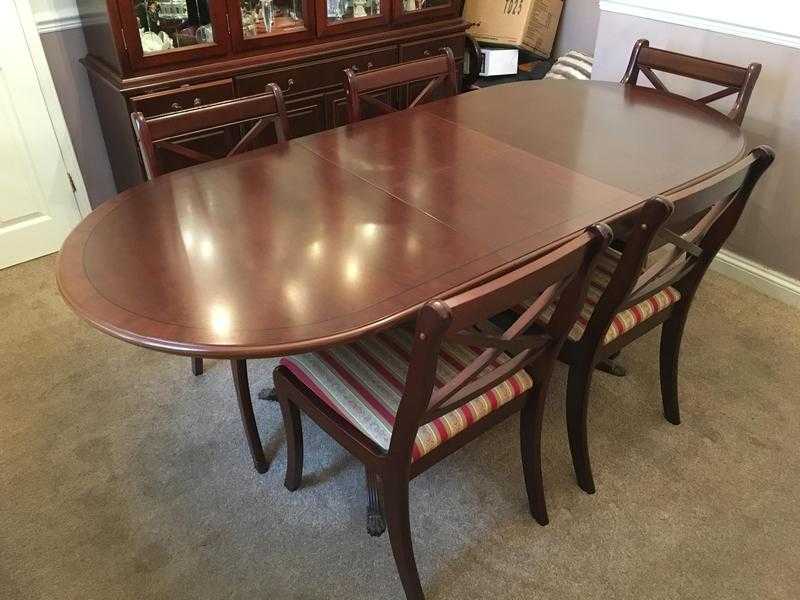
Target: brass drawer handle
427, 53
179, 106
356, 69
288, 87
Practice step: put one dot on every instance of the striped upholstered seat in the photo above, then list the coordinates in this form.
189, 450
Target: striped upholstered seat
625, 320
573, 65
363, 382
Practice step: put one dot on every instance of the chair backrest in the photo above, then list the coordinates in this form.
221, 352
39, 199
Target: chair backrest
438, 71
560, 274
688, 228
733, 79
173, 135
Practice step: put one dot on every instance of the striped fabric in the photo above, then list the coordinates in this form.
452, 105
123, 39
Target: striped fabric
573, 65
364, 381
623, 321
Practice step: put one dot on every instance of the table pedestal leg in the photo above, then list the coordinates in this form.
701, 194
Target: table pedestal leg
269, 394
612, 366
197, 365
242, 384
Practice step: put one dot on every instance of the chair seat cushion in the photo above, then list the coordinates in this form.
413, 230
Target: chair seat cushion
624, 321
363, 382
573, 65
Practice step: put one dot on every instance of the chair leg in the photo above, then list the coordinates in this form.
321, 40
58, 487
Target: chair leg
578, 382
395, 489
197, 365
293, 426
671, 334
239, 372
530, 437
376, 522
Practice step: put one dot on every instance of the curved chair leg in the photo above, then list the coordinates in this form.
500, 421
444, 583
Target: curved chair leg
671, 334
239, 371
376, 522
530, 438
197, 365
293, 427
395, 490
578, 382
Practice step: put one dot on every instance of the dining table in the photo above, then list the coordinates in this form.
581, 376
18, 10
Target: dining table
327, 238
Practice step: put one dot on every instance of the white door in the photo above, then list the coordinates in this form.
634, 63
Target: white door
37, 205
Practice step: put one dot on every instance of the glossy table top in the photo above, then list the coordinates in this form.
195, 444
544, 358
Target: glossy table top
329, 237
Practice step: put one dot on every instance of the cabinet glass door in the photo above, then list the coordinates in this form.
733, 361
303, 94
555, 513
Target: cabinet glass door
342, 16
408, 10
167, 31
258, 23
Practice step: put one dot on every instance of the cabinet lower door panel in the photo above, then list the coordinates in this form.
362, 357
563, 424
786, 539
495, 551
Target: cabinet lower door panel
336, 107
306, 115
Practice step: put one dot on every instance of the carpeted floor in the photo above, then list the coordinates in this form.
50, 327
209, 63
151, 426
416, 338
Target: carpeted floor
122, 476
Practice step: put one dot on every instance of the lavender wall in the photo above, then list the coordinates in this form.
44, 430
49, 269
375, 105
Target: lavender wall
578, 28
63, 49
769, 232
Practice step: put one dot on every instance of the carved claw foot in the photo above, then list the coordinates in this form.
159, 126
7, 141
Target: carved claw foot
376, 524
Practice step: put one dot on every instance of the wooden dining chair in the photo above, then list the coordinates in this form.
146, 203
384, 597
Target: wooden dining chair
652, 282
239, 123
402, 400
734, 80
437, 77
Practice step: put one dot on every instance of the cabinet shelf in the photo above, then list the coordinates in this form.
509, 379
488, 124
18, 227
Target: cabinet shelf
157, 56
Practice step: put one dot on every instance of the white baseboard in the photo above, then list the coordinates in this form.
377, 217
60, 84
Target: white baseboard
771, 283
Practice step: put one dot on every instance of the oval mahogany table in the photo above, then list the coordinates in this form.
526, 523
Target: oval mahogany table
333, 236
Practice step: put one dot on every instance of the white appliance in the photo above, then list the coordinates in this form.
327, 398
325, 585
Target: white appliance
499, 61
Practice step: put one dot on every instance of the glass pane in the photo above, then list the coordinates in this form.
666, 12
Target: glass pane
271, 17
341, 10
417, 5
170, 24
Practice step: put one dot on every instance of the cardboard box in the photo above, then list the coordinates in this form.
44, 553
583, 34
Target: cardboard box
499, 61
528, 24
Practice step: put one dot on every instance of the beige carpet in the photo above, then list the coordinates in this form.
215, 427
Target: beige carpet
122, 476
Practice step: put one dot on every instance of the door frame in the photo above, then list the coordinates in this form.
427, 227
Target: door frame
48, 88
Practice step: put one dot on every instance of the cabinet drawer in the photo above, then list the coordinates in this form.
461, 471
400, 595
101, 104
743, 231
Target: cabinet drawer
301, 79
430, 47
188, 96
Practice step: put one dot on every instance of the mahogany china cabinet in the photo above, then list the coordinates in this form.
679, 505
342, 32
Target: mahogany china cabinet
158, 56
